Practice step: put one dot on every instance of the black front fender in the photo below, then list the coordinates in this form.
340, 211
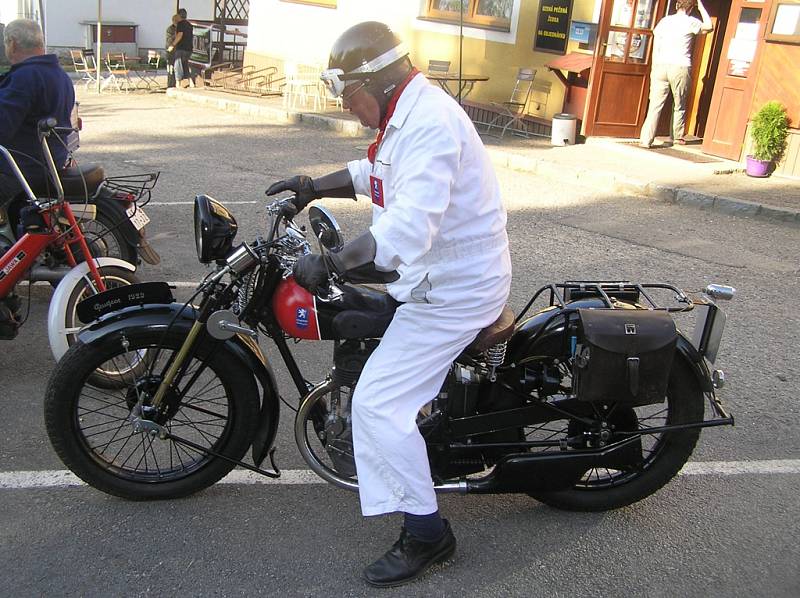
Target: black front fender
159, 317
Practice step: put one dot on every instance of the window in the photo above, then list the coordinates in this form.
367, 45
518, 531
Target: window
325, 3
488, 14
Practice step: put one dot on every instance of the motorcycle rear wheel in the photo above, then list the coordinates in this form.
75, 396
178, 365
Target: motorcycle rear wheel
106, 237
603, 489
214, 403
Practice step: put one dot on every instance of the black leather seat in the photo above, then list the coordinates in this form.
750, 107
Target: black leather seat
367, 313
72, 179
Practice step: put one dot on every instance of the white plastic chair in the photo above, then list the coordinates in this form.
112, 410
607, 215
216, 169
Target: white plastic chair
302, 84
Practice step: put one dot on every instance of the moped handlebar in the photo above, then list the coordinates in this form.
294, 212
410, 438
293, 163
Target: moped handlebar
44, 127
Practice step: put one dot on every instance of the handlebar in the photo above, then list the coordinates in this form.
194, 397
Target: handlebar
44, 128
49, 125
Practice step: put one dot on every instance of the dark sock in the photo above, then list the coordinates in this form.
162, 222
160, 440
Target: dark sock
426, 528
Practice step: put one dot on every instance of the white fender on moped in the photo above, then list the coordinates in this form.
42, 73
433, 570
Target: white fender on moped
62, 320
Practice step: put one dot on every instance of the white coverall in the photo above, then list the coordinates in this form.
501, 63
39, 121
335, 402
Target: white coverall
438, 219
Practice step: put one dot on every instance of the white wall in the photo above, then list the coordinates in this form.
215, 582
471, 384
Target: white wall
313, 29
8, 10
63, 17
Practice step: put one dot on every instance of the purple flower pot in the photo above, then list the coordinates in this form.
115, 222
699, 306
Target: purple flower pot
757, 168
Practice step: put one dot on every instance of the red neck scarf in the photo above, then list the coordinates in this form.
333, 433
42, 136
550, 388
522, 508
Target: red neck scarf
373, 147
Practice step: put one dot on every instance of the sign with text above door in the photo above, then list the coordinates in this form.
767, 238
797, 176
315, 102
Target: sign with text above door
552, 26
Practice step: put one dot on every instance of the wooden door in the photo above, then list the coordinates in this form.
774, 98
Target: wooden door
619, 85
735, 82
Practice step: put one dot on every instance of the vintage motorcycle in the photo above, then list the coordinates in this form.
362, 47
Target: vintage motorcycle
593, 402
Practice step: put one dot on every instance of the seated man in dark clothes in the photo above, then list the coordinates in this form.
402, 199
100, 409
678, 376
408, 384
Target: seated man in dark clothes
36, 87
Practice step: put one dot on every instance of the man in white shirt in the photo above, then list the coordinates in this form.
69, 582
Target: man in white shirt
672, 61
438, 220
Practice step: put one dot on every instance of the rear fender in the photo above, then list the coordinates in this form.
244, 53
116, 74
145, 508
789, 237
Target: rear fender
245, 349
688, 352
114, 209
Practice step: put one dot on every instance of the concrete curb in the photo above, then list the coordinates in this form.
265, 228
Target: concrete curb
342, 126
556, 171
631, 186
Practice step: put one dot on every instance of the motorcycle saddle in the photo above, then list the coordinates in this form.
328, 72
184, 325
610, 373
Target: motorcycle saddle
72, 179
367, 313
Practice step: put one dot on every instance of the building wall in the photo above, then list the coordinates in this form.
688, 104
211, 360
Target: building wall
303, 33
779, 79
63, 18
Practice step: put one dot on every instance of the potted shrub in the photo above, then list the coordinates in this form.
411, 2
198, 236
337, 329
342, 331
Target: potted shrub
768, 131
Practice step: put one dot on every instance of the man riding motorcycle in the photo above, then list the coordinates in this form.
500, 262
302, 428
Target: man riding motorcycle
439, 222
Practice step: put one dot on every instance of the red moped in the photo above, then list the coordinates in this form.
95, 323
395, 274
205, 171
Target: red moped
52, 227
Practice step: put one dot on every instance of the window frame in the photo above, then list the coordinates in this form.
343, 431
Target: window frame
471, 18
779, 37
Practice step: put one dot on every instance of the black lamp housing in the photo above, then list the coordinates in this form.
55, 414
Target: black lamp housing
214, 229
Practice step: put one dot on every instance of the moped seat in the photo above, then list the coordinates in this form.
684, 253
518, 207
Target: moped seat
494, 334
72, 179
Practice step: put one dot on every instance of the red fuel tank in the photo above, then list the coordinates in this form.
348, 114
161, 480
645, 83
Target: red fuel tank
296, 310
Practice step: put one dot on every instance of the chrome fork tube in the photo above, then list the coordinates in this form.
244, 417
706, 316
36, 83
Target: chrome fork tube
177, 363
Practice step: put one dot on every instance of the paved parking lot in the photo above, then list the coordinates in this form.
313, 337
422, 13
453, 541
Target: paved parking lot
726, 527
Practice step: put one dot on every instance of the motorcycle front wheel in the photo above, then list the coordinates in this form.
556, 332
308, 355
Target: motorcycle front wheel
212, 403
663, 454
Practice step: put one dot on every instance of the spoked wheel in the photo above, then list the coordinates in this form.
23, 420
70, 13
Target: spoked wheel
212, 403
107, 239
323, 435
662, 454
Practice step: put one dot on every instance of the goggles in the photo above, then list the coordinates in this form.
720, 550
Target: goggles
336, 79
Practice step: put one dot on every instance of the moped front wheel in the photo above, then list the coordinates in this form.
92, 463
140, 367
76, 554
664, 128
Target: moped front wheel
113, 277
212, 403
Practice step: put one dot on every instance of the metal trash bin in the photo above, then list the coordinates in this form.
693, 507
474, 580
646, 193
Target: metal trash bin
563, 129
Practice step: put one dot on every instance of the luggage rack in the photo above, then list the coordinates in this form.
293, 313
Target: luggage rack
137, 186
562, 293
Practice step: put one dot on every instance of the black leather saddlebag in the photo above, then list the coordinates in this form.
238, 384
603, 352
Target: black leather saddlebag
624, 355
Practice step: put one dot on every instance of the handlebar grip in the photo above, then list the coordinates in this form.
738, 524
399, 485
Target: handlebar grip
47, 124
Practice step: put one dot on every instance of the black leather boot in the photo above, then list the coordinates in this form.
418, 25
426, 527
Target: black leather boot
409, 558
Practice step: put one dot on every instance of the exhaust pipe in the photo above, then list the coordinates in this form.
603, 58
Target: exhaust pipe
526, 472
45, 274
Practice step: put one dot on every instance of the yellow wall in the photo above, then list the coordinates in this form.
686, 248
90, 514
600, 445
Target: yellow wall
305, 33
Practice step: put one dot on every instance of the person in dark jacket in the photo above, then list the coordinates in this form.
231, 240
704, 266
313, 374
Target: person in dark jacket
170, 46
182, 46
36, 87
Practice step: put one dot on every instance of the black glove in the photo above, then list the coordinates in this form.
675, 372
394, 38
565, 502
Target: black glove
311, 273
301, 185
